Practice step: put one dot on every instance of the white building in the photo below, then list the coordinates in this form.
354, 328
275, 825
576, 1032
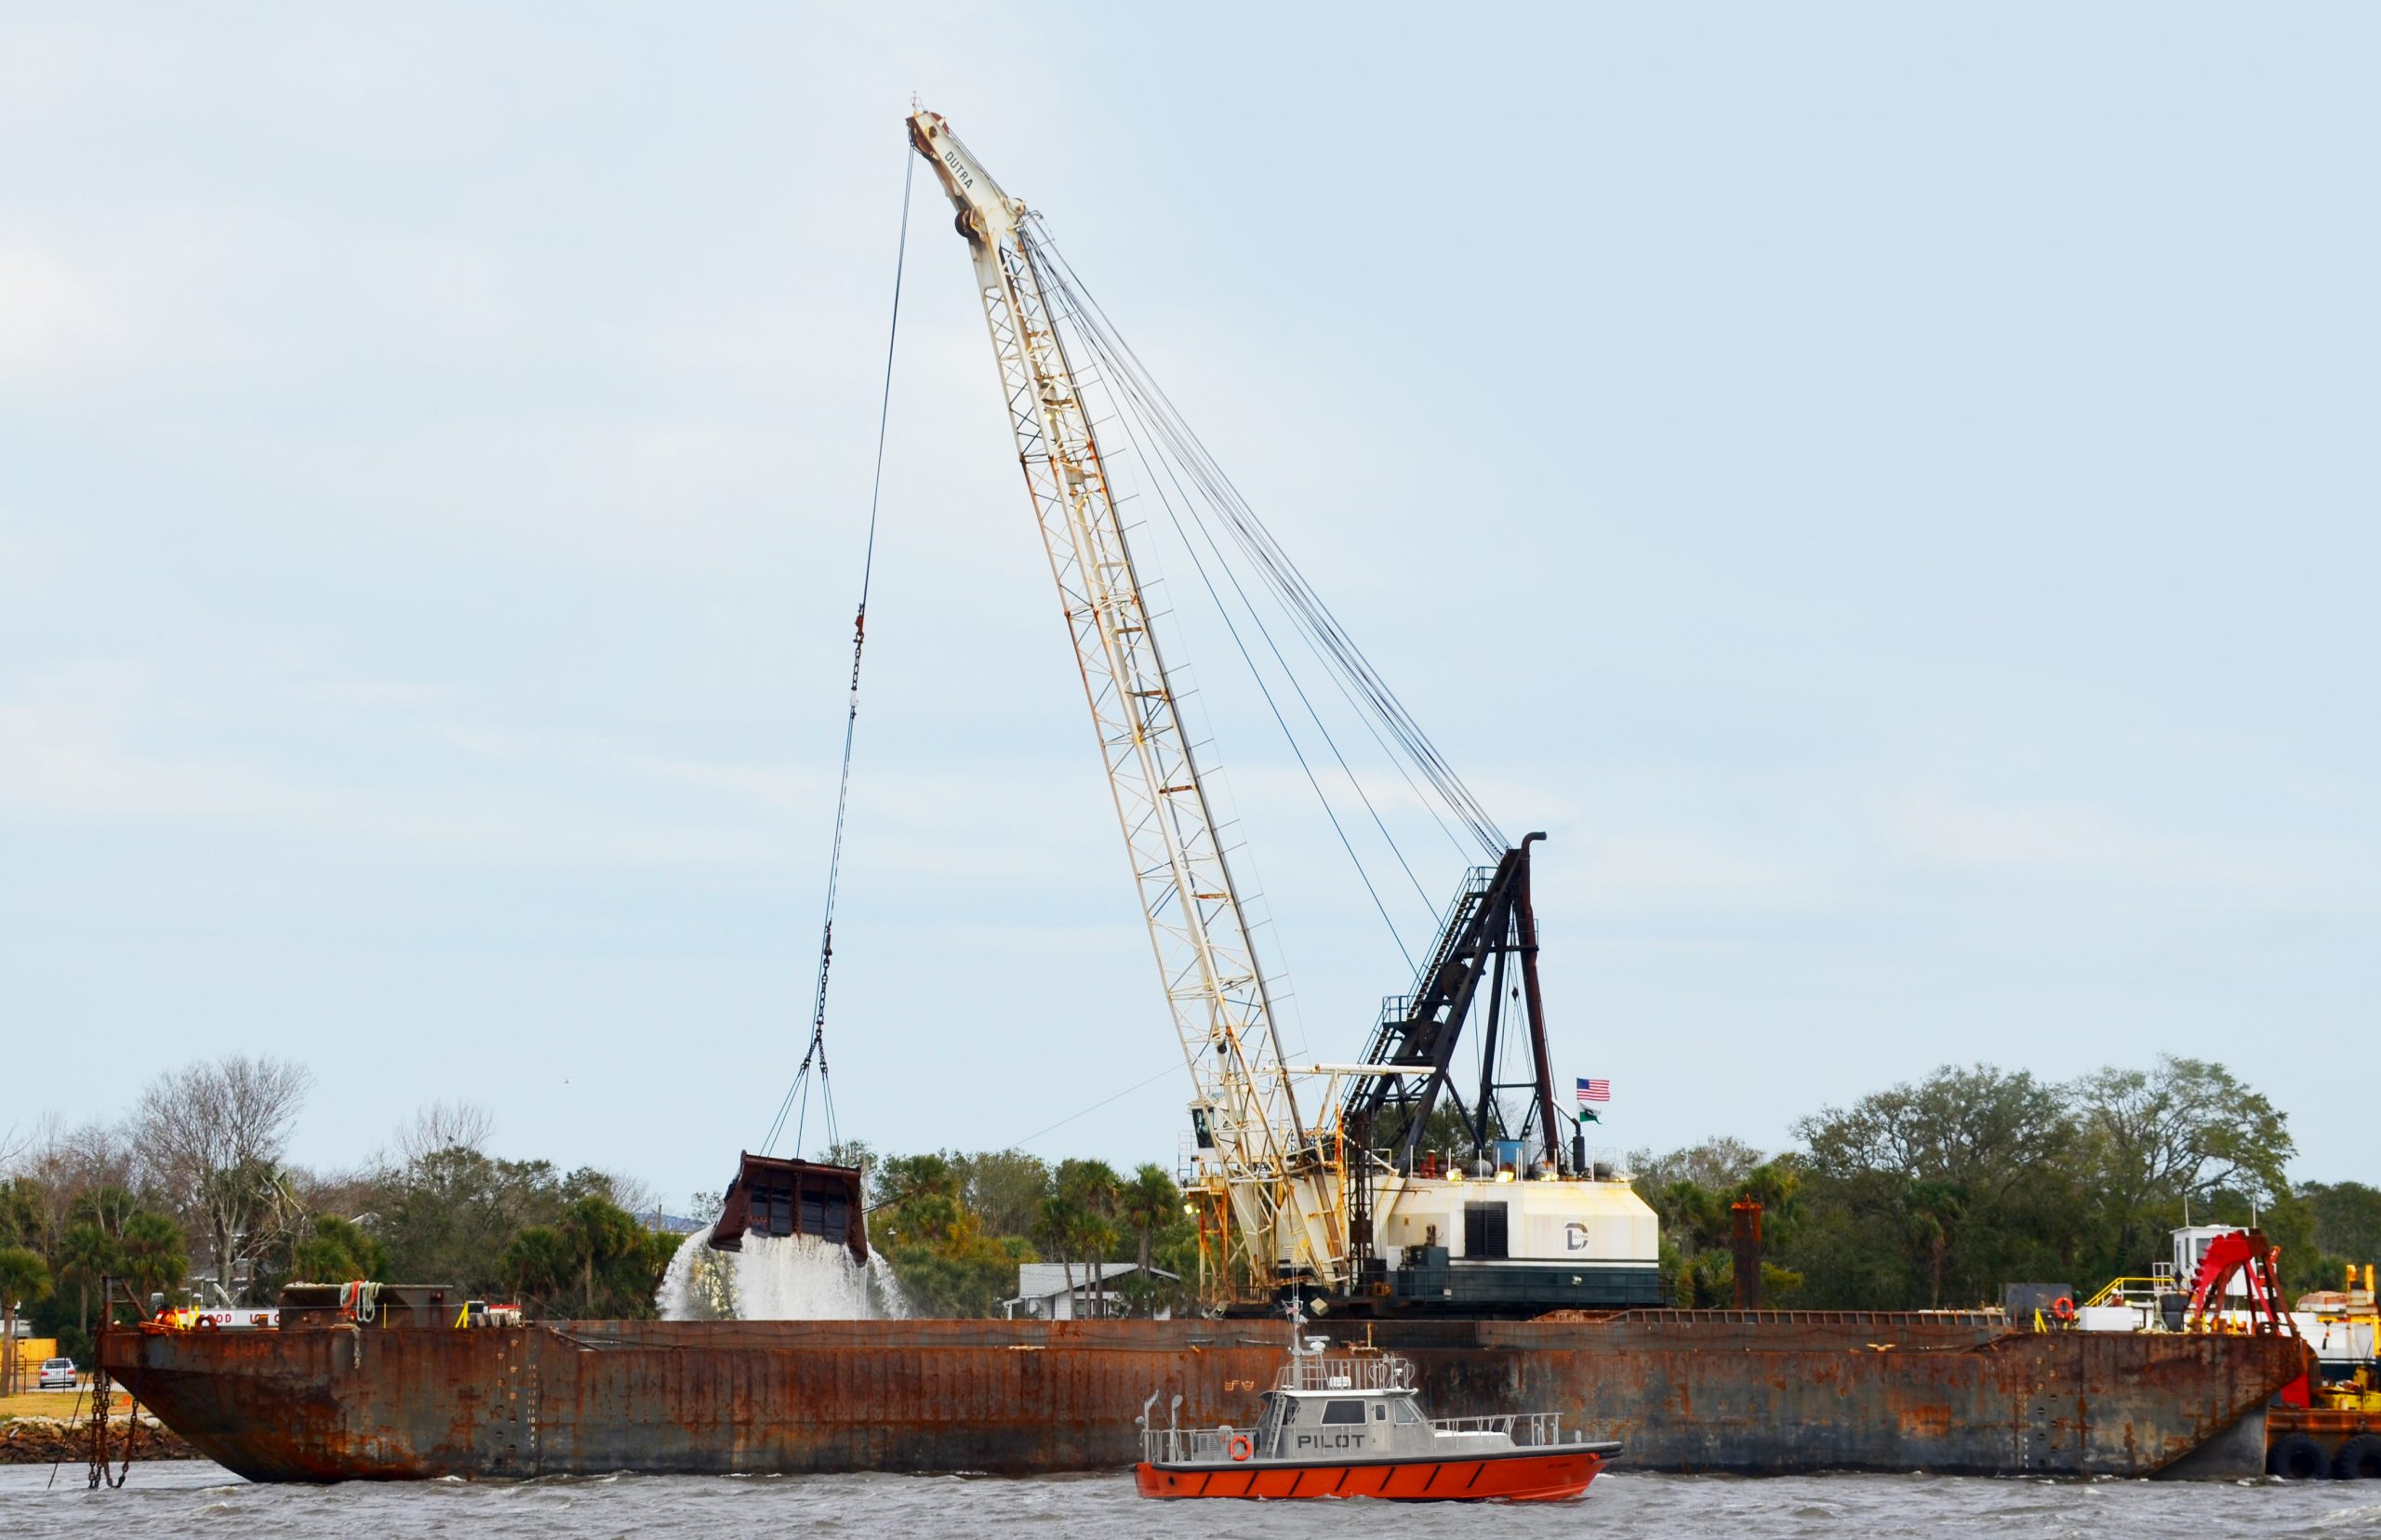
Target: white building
1043, 1292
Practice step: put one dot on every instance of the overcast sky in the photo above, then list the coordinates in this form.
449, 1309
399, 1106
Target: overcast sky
1891, 495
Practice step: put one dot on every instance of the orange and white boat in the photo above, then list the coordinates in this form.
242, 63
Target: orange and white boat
1353, 1427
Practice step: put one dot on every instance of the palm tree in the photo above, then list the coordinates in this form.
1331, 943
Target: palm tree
86, 1255
339, 1252
153, 1258
1149, 1203
1093, 1187
535, 1262
597, 1232
23, 1278
1098, 1240
1935, 1209
1058, 1226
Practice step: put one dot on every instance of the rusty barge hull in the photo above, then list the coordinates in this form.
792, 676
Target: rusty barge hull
1753, 1392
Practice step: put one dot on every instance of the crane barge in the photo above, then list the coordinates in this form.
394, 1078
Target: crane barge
1354, 1210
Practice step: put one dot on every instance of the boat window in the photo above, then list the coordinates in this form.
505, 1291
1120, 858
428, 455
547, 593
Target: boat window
1406, 1413
1289, 1410
1380, 1410
1336, 1414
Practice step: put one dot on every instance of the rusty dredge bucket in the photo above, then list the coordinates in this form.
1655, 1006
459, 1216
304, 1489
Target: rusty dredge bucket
773, 1196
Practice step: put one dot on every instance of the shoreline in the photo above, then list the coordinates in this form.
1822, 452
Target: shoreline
55, 1441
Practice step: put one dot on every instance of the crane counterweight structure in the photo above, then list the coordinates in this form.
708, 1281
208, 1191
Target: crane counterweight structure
1281, 1190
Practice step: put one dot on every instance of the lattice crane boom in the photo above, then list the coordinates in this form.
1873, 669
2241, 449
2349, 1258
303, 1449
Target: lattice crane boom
1283, 1187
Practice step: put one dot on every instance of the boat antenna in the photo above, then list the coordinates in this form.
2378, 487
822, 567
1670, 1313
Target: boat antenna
816, 1054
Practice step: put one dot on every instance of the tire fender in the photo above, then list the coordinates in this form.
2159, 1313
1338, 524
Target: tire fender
2298, 1458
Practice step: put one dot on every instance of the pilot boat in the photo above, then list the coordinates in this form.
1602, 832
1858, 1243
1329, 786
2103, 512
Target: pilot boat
1353, 1427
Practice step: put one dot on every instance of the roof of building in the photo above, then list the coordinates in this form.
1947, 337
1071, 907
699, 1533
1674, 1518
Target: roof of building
1036, 1280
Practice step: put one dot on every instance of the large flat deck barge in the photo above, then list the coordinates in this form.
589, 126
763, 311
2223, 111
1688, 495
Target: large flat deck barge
1764, 1392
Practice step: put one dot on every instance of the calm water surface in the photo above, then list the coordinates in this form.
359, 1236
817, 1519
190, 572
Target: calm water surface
190, 1498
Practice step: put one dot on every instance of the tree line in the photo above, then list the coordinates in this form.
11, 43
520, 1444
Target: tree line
956, 1226
191, 1196
1925, 1195
1933, 1193
1937, 1192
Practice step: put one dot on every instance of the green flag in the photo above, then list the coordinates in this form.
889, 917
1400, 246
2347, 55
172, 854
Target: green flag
1587, 1115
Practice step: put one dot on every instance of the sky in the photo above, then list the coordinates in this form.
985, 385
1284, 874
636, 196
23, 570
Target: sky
1889, 491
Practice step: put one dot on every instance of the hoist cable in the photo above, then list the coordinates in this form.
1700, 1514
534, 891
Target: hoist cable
817, 1050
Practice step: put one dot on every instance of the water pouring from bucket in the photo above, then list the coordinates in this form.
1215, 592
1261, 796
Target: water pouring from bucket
790, 1244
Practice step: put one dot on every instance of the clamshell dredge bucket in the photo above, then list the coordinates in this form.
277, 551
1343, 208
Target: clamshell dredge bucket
773, 1196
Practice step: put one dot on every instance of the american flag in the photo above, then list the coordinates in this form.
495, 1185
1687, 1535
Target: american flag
1595, 1090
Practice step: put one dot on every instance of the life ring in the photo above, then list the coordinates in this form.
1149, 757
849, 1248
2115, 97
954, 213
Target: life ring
205, 1323
1239, 1448
2063, 1308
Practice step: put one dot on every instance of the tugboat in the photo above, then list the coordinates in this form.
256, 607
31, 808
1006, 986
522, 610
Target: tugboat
1353, 1427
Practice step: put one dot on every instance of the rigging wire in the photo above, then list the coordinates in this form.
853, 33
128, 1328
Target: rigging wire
1337, 649
817, 1050
1130, 407
1290, 587
1123, 420
1171, 1069
1138, 419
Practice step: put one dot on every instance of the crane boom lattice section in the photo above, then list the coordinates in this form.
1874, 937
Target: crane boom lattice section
1283, 1199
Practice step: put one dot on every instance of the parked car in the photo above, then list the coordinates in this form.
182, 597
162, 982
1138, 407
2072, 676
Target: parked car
58, 1374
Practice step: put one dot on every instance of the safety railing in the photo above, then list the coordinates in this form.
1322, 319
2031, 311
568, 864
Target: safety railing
1526, 1429
1195, 1445
1380, 1372
1173, 1445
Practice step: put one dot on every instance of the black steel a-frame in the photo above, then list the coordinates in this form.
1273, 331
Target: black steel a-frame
1490, 932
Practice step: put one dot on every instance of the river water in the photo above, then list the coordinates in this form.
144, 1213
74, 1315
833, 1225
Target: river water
190, 1497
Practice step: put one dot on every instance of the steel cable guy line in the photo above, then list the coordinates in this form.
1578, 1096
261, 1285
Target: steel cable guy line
1290, 586
817, 1049
1084, 1112
1257, 619
1126, 416
1131, 410
1306, 631
1396, 763
1128, 392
